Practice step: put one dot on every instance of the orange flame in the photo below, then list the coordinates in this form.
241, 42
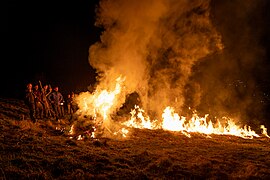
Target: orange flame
100, 102
100, 105
173, 122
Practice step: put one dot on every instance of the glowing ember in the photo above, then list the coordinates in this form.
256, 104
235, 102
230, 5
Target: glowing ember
80, 137
71, 131
123, 132
264, 131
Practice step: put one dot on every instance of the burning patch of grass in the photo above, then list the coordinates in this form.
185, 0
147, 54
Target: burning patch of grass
44, 150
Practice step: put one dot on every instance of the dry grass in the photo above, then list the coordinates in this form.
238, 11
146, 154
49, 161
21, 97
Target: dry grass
39, 151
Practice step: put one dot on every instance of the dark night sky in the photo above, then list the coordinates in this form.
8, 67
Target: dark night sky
48, 41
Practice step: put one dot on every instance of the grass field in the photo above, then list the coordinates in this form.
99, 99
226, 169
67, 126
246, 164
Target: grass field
44, 150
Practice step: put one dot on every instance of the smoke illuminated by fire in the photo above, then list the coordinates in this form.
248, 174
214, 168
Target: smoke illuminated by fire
154, 44
151, 47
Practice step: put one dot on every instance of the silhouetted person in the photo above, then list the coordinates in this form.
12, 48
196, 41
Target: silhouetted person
38, 102
71, 105
56, 98
48, 112
30, 101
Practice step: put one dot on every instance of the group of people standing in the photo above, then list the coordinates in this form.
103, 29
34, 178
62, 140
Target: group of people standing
47, 102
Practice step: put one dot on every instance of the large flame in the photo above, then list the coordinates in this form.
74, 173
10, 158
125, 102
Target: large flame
100, 102
100, 106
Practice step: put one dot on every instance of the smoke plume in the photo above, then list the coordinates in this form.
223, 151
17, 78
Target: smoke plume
154, 44
231, 81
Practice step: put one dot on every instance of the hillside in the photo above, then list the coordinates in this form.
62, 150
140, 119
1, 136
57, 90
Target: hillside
45, 151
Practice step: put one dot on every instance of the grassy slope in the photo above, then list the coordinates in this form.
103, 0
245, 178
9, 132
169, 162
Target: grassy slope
39, 151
